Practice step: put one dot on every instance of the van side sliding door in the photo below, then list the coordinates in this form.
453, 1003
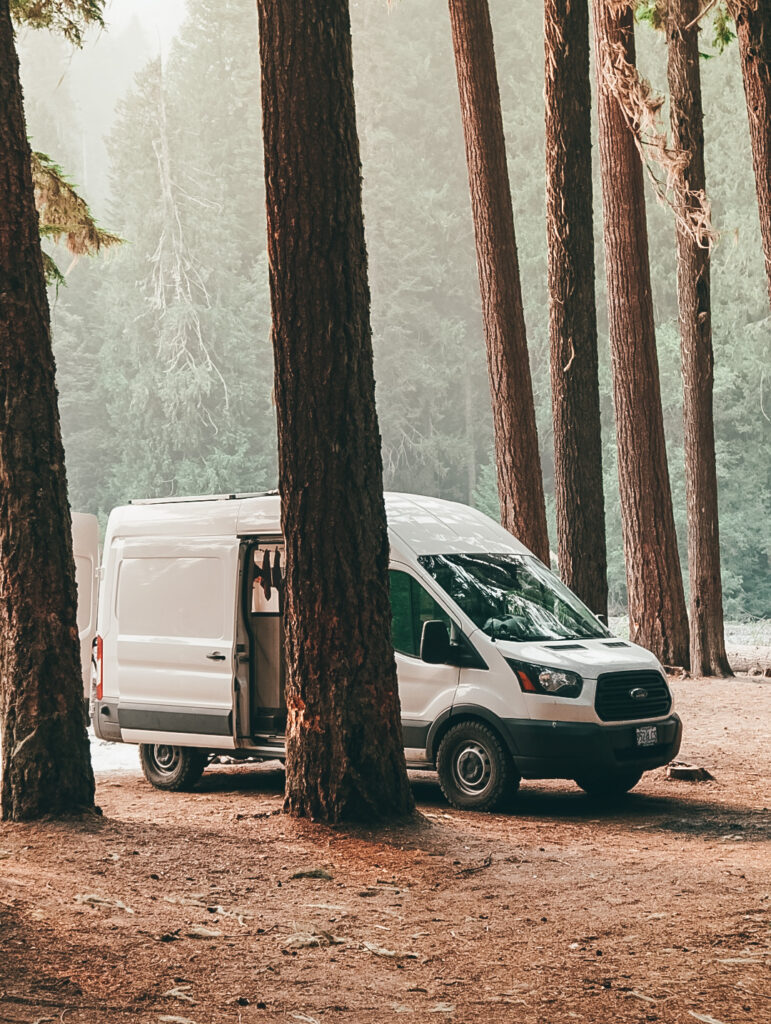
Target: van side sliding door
176, 618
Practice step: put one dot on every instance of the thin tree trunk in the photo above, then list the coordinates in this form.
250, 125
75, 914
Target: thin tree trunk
657, 615
344, 746
572, 313
471, 440
46, 765
753, 27
520, 486
708, 656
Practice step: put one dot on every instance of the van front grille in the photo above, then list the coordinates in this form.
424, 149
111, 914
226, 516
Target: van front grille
622, 696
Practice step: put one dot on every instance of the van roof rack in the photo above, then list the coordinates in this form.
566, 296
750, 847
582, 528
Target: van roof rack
202, 497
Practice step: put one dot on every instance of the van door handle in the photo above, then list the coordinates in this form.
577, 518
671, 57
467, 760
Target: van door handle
216, 656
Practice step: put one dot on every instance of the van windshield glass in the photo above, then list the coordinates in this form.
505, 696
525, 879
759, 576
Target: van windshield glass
513, 597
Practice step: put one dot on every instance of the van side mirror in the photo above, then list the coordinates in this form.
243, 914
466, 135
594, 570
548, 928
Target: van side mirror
435, 642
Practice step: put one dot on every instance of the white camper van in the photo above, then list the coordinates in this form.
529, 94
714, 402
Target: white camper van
503, 673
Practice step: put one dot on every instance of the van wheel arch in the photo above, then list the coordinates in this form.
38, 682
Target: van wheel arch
465, 713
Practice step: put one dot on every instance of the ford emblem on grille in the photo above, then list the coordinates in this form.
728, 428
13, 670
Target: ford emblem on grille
638, 693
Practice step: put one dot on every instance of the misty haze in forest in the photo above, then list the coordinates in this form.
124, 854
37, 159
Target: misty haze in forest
163, 346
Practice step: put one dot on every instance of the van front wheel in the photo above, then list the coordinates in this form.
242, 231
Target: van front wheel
175, 768
475, 770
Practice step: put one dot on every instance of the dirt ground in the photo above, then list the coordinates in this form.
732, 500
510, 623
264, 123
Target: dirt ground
192, 907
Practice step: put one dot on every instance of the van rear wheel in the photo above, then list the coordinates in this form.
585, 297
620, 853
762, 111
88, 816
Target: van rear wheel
476, 772
174, 768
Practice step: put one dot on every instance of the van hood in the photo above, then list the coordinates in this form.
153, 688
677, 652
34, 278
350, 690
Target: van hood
589, 658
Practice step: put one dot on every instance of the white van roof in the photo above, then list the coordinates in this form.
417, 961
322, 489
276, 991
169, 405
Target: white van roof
433, 526
422, 525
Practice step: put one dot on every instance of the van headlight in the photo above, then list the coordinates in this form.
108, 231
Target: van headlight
556, 682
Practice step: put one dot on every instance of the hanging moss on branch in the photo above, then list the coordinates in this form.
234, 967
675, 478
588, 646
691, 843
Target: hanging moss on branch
641, 108
69, 18
64, 216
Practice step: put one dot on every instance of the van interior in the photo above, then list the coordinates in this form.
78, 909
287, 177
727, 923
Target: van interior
260, 667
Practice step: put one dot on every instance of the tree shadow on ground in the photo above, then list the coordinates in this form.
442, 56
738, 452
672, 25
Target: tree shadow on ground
695, 814
698, 812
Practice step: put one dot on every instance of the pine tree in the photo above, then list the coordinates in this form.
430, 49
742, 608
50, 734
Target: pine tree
46, 766
708, 656
185, 357
753, 27
657, 615
344, 744
520, 485
572, 313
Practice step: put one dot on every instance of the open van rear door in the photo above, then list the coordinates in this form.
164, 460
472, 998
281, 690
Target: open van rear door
85, 545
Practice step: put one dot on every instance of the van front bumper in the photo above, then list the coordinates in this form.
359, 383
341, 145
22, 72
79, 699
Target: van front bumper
566, 750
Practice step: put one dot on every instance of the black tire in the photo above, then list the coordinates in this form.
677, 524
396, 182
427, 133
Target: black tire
611, 786
475, 769
174, 768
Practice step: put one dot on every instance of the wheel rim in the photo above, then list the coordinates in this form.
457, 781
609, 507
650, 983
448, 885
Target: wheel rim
471, 768
166, 758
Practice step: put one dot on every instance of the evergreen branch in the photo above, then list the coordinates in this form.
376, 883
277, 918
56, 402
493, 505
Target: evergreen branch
654, 13
69, 18
63, 213
52, 273
722, 31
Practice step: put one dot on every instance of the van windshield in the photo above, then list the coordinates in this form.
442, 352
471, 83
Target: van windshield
513, 597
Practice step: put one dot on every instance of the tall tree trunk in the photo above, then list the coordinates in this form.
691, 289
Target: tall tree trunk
753, 27
572, 313
471, 440
657, 615
46, 765
708, 656
520, 485
344, 746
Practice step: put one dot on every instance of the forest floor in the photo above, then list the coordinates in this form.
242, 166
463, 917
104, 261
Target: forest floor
213, 907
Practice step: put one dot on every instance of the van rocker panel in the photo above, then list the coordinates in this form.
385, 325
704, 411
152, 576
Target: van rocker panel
171, 718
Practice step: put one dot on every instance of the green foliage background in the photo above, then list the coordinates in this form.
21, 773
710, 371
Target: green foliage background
165, 365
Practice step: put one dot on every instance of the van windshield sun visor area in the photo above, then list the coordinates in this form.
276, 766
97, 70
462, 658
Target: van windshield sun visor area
513, 597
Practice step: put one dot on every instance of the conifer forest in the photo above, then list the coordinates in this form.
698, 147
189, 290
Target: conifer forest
385, 511
166, 388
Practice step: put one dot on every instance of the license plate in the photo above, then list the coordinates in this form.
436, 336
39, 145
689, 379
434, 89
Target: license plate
647, 736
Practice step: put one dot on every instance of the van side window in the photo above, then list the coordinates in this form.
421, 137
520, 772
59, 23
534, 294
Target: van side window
411, 606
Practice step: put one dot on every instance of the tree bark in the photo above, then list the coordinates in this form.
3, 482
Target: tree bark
520, 486
572, 312
753, 27
657, 615
708, 655
46, 765
344, 746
